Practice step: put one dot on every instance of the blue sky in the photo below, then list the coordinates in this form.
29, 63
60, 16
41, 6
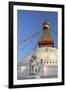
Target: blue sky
30, 22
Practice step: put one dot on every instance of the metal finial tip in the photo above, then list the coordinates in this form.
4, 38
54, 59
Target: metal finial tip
46, 23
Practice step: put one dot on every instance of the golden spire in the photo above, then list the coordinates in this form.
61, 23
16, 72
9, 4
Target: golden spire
46, 37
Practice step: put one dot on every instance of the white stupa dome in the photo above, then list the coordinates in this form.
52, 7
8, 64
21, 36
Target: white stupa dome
48, 67
49, 55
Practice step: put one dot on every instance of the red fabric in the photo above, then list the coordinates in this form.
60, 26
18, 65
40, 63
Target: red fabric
45, 42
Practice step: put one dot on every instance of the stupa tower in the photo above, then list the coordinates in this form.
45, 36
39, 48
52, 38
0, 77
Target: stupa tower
46, 39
